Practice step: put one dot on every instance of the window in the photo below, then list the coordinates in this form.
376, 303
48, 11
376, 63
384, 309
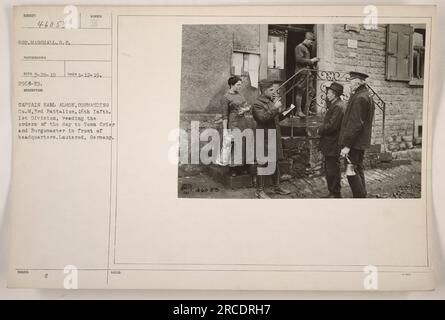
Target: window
405, 53
276, 53
246, 64
398, 52
418, 53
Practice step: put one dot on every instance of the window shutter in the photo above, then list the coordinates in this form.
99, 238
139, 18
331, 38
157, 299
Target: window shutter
398, 52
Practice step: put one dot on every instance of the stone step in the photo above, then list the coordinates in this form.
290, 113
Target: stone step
375, 148
223, 176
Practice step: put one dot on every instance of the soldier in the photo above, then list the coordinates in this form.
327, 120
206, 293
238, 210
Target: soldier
356, 128
266, 111
329, 132
303, 80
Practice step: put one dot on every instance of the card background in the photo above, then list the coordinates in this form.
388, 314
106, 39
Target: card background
231, 231
438, 174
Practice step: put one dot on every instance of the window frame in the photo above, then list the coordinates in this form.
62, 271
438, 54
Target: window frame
417, 81
411, 80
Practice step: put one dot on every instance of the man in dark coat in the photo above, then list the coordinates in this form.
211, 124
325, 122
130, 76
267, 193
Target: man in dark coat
304, 81
266, 111
329, 132
355, 133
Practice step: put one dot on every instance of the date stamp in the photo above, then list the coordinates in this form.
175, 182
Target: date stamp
188, 188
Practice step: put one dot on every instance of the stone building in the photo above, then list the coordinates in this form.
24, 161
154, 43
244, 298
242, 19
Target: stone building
393, 56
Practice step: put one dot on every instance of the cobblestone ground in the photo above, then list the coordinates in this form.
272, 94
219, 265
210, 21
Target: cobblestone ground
399, 182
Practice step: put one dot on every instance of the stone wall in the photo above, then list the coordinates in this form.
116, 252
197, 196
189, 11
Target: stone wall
403, 101
204, 76
204, 81
206, 64
206, 67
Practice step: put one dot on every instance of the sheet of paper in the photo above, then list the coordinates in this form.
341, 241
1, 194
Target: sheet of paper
246, 63
292, 107
254, 68
98, 199
238, 62
270, 55
279, 47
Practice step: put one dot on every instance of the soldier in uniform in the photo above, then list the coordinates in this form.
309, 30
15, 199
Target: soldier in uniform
356, 128
329, 132
266, 111
303, 80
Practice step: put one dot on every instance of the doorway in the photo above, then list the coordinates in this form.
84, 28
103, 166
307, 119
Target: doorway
291, 35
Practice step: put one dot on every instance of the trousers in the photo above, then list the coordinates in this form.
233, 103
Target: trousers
333, 175
357, 182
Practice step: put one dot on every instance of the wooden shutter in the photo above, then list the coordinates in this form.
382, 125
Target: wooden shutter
399, 52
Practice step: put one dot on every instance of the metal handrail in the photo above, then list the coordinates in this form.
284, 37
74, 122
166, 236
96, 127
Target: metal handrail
328, 75
290, 78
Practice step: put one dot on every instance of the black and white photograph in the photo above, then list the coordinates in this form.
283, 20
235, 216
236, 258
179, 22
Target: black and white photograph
166, 148
301, 111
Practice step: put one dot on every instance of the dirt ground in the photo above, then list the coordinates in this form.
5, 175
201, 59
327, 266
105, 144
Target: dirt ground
399, 182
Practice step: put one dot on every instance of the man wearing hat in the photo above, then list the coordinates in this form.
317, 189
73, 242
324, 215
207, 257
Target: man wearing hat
303, 60
329, 132
266, 111
356, 128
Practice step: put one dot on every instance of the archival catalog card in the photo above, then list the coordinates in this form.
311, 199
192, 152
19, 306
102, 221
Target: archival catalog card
242, 148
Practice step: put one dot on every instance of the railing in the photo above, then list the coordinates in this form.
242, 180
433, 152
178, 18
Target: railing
318, 98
